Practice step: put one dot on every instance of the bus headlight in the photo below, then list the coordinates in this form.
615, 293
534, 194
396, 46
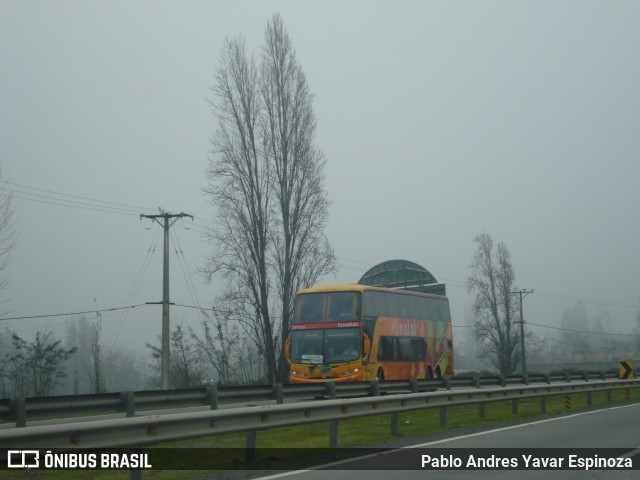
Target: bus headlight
348, 373
297, 374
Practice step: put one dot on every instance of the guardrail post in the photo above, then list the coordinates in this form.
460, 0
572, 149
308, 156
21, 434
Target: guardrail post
128, 403
394, 424
514, 406
374, 390
413, 384
333, 434
19, 407
251, 446
331, 389
626, 394
333, 424
277, 392
212, 396
567, 400
136, 473
443, 416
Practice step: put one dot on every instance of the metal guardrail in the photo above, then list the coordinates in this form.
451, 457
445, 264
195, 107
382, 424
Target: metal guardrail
149, 430
20, 410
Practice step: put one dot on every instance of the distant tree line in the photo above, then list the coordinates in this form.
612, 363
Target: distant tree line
43, 365
495, 338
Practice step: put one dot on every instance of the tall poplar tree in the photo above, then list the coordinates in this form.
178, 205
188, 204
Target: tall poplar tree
266, 182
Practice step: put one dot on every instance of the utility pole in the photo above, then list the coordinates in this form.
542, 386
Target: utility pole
166, 224
95, 347
524, 357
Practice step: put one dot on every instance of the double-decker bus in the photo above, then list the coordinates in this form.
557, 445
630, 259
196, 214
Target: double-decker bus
356, 332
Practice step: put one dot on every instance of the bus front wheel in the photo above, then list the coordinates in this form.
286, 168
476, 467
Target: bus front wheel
380, 375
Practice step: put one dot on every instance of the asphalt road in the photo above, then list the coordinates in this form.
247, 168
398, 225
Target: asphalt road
617, 427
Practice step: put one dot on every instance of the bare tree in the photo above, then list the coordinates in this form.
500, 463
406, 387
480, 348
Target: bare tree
266, 182
233, 358
302, 252
240, 190
491, 281
185, 361
36, 368
217, 347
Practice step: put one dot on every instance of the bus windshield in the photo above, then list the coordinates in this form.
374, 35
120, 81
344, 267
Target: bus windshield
327, 307
324, 346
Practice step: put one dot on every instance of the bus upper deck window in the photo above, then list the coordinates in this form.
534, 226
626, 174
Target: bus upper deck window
309, 308
342, 307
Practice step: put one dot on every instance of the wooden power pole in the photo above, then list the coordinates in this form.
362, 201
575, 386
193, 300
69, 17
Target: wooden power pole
166, 224
524, 357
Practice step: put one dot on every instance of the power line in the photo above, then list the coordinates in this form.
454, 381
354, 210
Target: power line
81, 207
182, 305
584, 331
92, 204
71, 199
62, 324
50, 315
185, 271
604, 303
136, 286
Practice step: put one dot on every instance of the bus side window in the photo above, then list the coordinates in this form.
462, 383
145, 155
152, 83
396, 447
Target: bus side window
381, 349
418, 349
386, 350
407, 353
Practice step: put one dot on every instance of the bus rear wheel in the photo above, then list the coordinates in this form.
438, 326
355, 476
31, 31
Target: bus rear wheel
380, 375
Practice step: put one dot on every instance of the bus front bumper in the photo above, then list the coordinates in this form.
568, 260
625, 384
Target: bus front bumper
349, 375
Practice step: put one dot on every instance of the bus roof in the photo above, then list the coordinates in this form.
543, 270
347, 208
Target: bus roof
356, 287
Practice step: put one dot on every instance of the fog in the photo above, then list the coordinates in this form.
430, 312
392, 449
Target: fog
439, 121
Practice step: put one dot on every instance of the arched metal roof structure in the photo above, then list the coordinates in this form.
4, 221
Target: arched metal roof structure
402, 274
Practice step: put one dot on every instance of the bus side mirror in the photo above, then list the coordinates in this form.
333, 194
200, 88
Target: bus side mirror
287, 349
366, 345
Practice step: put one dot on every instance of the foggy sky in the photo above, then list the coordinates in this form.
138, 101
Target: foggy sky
439, 120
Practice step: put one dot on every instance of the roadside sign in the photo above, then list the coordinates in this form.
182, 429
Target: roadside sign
626, 370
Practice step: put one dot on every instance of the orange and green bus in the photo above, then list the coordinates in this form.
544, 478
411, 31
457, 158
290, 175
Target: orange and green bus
354, 333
